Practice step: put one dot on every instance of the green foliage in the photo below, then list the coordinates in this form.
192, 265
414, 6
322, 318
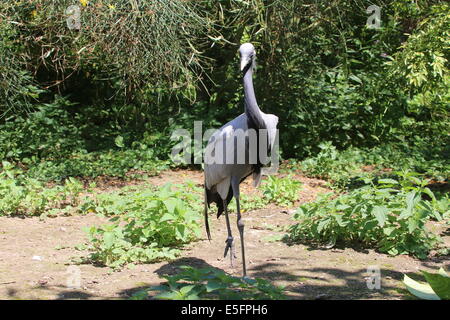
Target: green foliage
389, 215
18, 88
345, 168
209, 283
332, 165
21, 195
253, 202
152, 225
47, 132
249, 203
136, 164
123, 44
52, 143
437, 288
281, 191
422, 62
327, 72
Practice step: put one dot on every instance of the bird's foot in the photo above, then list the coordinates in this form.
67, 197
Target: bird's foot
229, 246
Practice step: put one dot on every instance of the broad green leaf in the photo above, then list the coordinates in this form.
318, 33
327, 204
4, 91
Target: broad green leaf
439, 283
388, 231
412, 225
339, 220
167, 217
405, 213
181, 231
170, 204
186, 289
380, 213
355, 78
109, 239
411, 199
169, 295
415, 179
423, 291
342, 207
214, 285
430, 193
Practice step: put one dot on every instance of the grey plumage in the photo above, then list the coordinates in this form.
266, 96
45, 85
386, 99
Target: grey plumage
222, 179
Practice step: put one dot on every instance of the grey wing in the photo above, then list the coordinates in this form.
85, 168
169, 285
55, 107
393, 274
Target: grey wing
218, 174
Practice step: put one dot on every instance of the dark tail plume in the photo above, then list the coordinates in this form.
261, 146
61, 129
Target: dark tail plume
208, 232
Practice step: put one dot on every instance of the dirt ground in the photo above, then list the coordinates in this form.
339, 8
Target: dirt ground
36, 256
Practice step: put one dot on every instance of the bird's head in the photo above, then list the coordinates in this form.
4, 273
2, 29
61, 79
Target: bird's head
248, 55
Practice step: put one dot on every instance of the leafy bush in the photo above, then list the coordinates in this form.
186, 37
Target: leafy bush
422, 63
344, 168
208, 283
21, 195
281, 191
152, 226
389, 216
115, 163
47, 132
333, 165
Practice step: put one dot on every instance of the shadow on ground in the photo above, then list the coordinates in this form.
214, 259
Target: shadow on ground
307, 283
331, 283
62, 293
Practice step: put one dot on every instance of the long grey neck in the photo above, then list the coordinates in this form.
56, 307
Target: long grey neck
251, 106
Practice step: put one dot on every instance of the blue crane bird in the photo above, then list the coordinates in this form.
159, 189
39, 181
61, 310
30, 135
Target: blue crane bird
222, 178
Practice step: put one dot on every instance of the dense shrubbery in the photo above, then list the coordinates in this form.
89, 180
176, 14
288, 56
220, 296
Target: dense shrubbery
323, 72
48, 132
344, 168
389, 215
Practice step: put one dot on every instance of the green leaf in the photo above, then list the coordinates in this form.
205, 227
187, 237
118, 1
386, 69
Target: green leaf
380, 213
439, 283
388, 181
119, 141
109, 239
423, 291
430, 193
169, 295
342, 207
339, 220
167, 217
323, 224
411, 199
412, 225
186, 289
214, 285
355, 78
171, 204
388, 231
181, 232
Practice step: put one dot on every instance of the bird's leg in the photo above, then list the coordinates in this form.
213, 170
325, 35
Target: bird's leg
229, 241
240, 222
